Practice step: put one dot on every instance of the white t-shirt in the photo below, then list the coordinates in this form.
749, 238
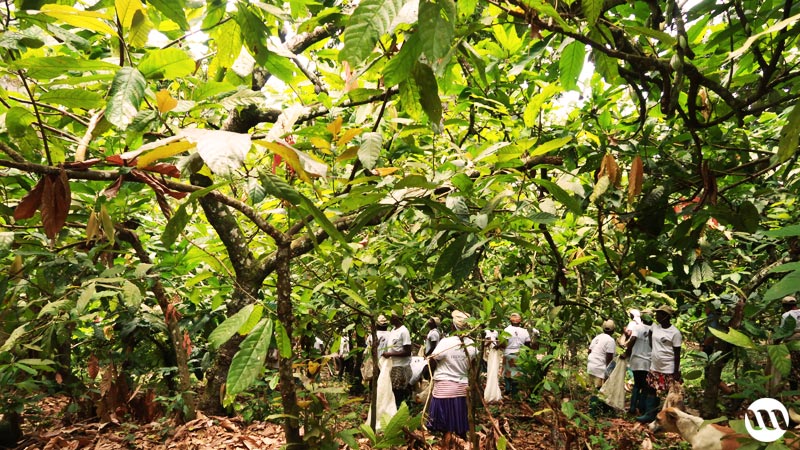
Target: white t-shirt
433, 336
794, 313
491, 338
662, 358
516, 338
344, 346
451, 362
397, 339
383, 336
640, 353
601, 344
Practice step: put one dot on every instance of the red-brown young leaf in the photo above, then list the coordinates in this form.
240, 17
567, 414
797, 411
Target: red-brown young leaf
113, 189
635, 178
165, 169
187, 343
56, 199
30, 203
93, 367
156, 184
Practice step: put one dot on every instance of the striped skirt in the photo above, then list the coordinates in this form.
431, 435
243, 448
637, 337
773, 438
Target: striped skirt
448, 409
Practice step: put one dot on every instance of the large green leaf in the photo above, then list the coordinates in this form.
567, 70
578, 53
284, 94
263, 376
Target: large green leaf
278, 187
127, 92
788, 285
779, 356
176, 224
428, 94
254, 32
228, 37
282, 341
400, 67
571, 64
734, 337
436, 29
450, 257
73, 98
173, 10
592, 10
230, 326
370, 20
561, 195
790, 135
248, 362
168, 63
43, 68
19, 120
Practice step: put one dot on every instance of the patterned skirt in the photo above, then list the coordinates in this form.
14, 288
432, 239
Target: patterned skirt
661, 382
448, 413
510, 369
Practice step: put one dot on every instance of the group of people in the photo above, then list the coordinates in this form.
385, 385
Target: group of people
447, 361
653, 352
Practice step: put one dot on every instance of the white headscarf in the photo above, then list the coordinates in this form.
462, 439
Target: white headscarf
459, 319
636, 316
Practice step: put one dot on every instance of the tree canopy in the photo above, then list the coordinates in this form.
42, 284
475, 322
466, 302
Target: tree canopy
217, 179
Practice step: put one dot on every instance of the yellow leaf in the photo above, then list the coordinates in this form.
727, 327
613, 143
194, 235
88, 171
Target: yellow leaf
383, 171
165, 151
303, 404
348, 136
126, 9
89, 20
335, 126
635, 178
322, 144
288, 155
350, 153
140, 30
165, 101
313, 367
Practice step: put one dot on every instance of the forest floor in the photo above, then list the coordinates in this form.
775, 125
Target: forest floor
525, 427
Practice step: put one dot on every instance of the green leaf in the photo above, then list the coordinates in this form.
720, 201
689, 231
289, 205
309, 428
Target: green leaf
786, 286
450, 256
348, 437
18, 121
73, 98
592, 10
370, 20
549, 146
279, 66
779, 355
248, 362
535, 104
790, 133
282, 341
229, 327
228, 37
127, 92
168, 63
428, 94
322, 220
278, 187
254, 32
54, 308
173, 10
176, 225
665, 38
548, 10
140, 30
787, 231
399, 68
45, 68
393, 434
733, 337
436, 28
570, 64
131, 295
12, 338
370, 149
561, 195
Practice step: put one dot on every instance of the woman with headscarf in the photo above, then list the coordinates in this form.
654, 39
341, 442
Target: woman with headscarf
451, 361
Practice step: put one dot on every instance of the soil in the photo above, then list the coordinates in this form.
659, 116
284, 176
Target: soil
521, 425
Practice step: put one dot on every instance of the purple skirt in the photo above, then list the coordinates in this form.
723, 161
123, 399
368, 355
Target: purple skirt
449, 414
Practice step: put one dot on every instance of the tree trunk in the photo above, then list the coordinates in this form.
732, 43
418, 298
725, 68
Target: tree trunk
291, 424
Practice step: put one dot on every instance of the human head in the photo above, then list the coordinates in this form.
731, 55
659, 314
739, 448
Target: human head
434, 322
664, 313
609, 326
515, 318
789, 302
634, 313
382, 322
459, 319
396, 320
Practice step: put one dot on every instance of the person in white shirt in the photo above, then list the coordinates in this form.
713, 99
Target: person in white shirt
399, 349
601, 353
665, 361
451, 358
789, 304
637, 352
511, 341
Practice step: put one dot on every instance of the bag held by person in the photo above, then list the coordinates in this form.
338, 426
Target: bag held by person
614, 387
492, 391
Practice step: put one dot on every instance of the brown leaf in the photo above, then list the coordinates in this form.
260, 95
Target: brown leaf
610, 168
164, 169
93, 366
635, 178
92, 227
30, 203
187, 343
56, 198
113, 189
